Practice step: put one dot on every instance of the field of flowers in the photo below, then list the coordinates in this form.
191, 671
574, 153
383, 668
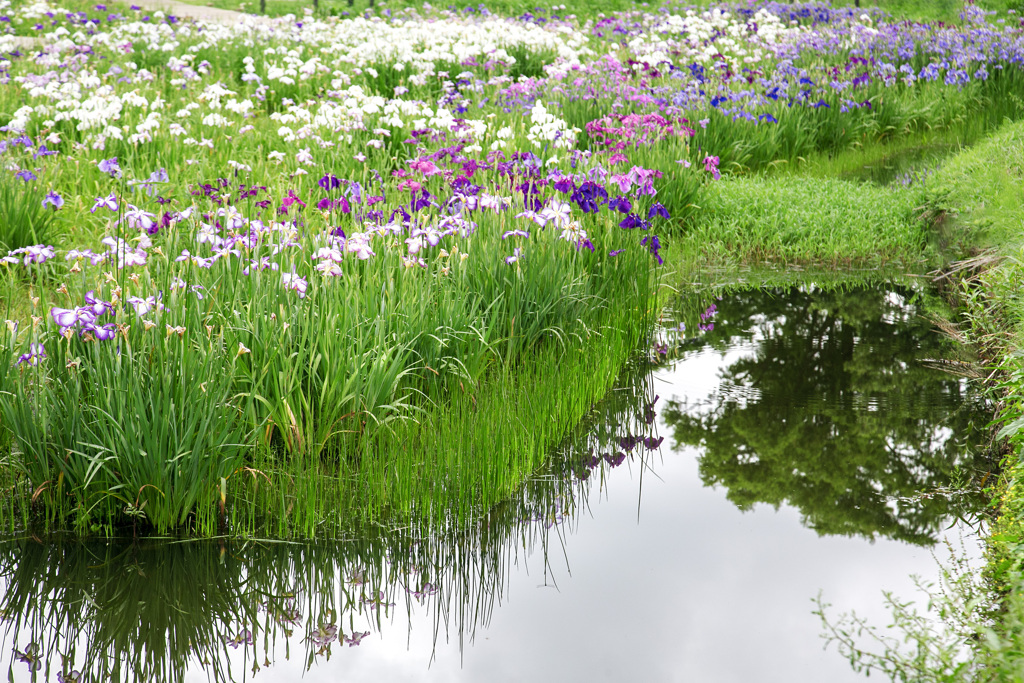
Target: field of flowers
312, 270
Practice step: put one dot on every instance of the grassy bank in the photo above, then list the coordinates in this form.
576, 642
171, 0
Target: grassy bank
787, 220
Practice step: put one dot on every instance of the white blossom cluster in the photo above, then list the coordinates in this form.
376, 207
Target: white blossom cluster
289, 59
711, 37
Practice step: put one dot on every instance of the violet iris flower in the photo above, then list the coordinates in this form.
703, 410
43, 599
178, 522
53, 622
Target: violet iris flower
53, 199
653, 245
36, 353
71, 317
658, 210
98, 306
37, 253
104, 332
111, 166
329, 182
293, 281
620, 204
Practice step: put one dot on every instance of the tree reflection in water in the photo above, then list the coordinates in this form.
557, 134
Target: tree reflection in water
837, 409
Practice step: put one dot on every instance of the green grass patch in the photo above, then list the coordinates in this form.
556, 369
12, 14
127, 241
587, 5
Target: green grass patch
790, 220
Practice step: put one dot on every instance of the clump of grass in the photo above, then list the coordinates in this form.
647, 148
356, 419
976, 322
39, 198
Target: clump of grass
24, 219
804, 220
980, 188
142, 428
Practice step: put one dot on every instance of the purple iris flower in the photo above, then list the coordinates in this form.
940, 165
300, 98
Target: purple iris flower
139, 219
711, 166
564, 185
36, 353
356, 638
98, 306
104, 332
632, 221
66, 317
329, 182
149, 184
111, 166
422, 202
653, 244
53, 199
620, 204
26, 175
516, 254
37, 253
295, 282
658, 210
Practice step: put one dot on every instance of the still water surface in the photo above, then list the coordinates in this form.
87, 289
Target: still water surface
800, 429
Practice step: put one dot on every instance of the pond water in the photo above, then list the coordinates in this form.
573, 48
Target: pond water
786, 442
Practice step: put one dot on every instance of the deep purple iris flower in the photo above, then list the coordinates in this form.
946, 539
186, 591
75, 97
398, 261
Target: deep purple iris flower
620, 204
329, 182
658, 210
632, 221
564, 185
653, 244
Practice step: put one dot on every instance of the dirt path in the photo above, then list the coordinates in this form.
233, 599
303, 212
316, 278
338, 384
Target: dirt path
201, 12
178, 9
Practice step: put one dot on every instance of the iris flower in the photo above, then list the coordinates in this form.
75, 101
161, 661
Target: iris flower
620, 204
111, 167
658, 210
295, 282
36, 353
110, 201
557, 212
329, 182
53, 199
711, 166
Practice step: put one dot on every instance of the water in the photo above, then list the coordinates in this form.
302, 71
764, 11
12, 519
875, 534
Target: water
810, 444
906, 166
